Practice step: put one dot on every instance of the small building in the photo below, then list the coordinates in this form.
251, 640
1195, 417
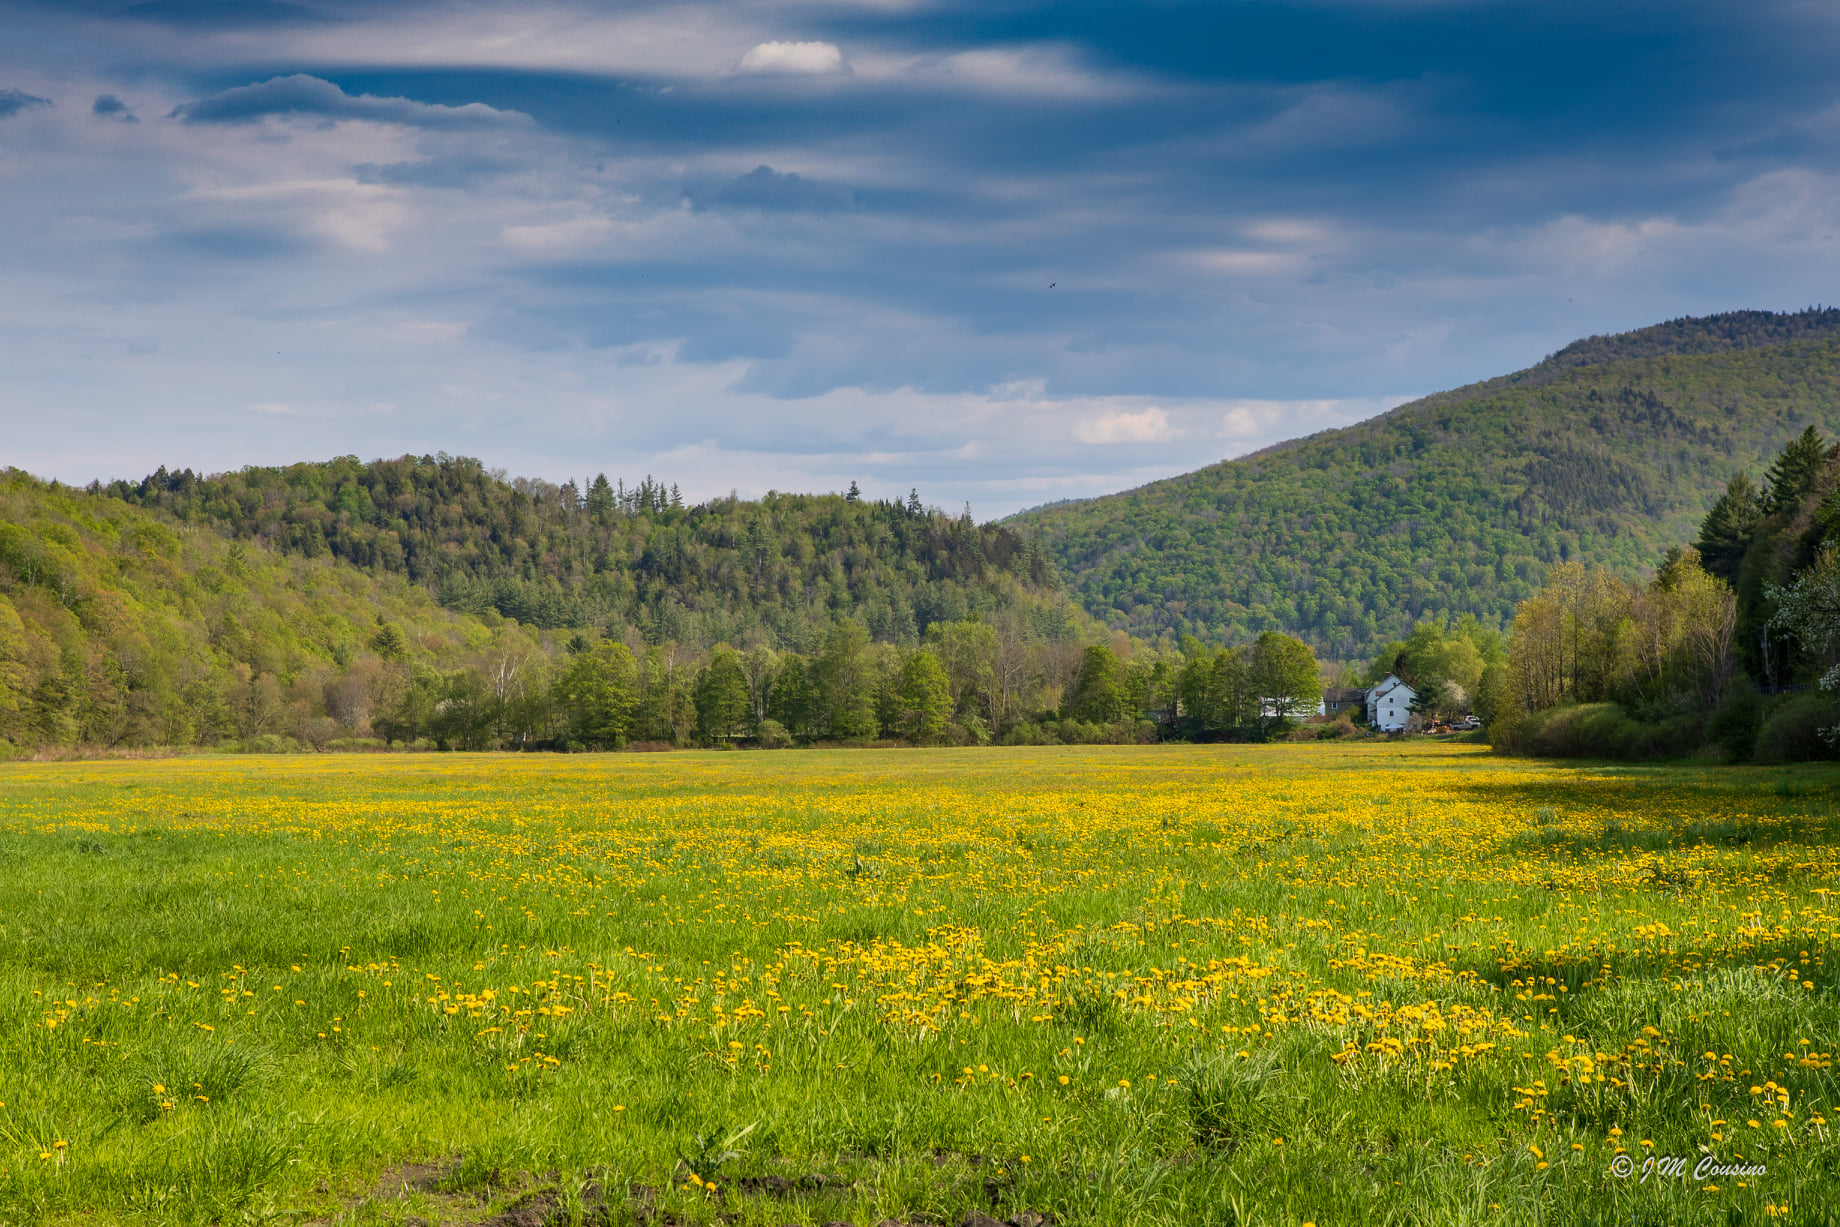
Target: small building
1338, 699
1389, 704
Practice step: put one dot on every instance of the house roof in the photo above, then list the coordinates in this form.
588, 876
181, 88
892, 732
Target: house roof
1388, 685
1343, 694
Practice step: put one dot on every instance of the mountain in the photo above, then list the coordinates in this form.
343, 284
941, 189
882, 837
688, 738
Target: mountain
621, 559
1610, 451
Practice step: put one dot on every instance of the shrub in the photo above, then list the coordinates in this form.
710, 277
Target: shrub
1791, 733
976, 729
1606, 730
1029, 733
773, 735
1339, 728
1734, 725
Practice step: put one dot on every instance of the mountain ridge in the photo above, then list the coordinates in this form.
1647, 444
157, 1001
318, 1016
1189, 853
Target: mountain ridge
1609, 449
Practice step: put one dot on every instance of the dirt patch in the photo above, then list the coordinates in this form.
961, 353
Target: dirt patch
416, 1177
436, 1194
534, 1209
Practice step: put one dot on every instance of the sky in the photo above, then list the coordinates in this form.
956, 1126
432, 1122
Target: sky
1000, 252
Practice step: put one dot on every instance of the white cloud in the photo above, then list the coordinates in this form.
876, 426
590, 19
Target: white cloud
300, 94
1042, 70
577, 232
1253, 424
1248, 263
802, 59
1145, 426
361, 216
682, 39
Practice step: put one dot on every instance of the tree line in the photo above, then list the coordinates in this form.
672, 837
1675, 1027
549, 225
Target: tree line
1732, 645
621, 558
124, 626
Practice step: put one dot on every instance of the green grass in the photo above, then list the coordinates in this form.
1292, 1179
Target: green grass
1189, 935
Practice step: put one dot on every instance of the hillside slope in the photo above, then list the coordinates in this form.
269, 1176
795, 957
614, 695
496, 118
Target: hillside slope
1609, 451
784, 567
117, 628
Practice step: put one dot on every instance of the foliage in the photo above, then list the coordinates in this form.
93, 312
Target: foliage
1726, 532
923, 699
119, 630
1799, 729
1457, 504
624, 560
1171, 985
1590, 637
1246, 694
1444, 663
722, 706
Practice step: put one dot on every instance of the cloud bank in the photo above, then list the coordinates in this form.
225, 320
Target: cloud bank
1004, 253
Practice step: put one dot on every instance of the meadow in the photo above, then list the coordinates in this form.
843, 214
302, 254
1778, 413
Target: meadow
1284, 984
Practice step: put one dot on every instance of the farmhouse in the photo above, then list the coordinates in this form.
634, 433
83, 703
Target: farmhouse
1340, 699
1389, 703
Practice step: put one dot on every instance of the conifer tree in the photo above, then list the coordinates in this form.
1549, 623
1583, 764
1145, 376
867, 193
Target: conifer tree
1727, 530
1794, 472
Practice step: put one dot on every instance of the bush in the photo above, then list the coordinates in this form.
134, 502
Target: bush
772, 735
1606, 730
1028, 733
1338, 729
976, 729
1081, 733
354, 745
1791, 733
1734, 724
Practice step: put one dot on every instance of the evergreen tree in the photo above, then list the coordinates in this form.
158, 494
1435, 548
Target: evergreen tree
1728, 529
1794, 472
601, 498
389, 642
855, 494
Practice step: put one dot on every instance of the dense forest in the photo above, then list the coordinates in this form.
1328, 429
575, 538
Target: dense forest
1607, 453
127, 625
624, 558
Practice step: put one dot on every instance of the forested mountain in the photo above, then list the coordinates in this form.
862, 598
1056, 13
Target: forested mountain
1609, 452
618, 559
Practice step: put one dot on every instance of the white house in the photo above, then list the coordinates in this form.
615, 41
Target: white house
1389, 703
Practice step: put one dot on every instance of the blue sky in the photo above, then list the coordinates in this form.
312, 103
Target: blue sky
1003, 252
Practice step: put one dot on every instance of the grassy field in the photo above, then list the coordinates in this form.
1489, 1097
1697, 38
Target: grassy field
1286, 984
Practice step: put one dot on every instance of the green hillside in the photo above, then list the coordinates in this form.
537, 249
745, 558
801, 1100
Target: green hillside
1610, 451
118, 628
783, 568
